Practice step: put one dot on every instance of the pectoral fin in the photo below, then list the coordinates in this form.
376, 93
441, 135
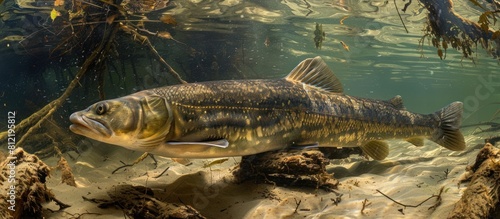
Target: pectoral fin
377, 150
221, 143
303, 146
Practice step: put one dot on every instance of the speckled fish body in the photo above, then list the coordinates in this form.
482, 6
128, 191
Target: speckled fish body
235, 118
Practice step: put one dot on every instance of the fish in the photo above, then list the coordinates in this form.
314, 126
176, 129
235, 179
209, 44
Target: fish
307, 108
17, 38
267, 42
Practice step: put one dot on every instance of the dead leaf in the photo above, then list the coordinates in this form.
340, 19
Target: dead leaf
165, 35
168, 19
111, 18
440, 53
445, 45
58, 3
54, 14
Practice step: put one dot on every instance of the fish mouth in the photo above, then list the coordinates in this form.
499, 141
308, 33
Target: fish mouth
86, 126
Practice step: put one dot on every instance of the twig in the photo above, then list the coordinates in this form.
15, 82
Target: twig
119, 168
366, 203
298, 204
406, 6
138, 160
60, 203
93, 200
145, 40
154, 159
412, 206
402, 211
78, 215
161, 173
395, 5
438, 199
337, 200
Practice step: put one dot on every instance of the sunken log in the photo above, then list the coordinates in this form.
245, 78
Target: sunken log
287, 168
481, 198
22, 183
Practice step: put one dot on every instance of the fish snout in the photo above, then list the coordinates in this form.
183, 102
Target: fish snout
88, 127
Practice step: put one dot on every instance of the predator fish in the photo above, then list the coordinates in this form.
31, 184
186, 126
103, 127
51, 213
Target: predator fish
244, 117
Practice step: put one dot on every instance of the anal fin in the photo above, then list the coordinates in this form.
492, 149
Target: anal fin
417, 141
378, 150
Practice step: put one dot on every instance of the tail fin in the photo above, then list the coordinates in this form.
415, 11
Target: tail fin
448, 134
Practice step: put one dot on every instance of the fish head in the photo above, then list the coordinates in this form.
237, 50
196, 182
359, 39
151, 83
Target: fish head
138, 122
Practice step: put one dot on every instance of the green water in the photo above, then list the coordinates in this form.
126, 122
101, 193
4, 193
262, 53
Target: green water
237, 39
383, 60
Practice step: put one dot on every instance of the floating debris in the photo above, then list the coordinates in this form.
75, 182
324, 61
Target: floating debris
67, 176
346, 47
168, 19
319, 35
215, 162
343, 19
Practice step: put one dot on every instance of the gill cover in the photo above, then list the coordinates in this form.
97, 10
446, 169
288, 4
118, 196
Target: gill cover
155, 122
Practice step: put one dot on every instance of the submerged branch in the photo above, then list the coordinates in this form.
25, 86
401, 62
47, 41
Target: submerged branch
446, 27
33, 122
145, 40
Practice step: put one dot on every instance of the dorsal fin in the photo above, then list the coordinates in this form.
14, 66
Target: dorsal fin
397, 102
315, 72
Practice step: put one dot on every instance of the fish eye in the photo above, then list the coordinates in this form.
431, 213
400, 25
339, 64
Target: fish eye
100, 109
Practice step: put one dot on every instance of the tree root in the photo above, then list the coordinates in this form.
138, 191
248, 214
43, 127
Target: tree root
447, 28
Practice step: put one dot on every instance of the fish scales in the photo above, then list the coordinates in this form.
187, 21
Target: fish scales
279, 106
233, 118
242, 111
